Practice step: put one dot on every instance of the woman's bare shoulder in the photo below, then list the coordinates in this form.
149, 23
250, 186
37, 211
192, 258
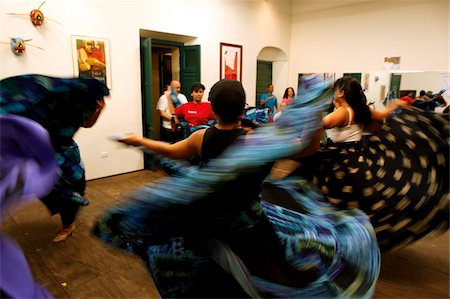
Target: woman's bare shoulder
336, 118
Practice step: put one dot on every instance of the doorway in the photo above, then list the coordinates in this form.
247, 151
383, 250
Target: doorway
263, 78
271, 68
165, 68
163, 72
394, 86
164, 60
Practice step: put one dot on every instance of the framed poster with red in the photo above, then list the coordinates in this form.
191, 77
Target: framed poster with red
230, 61
90, 57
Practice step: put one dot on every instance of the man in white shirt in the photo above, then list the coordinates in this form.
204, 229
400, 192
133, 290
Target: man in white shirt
165, 111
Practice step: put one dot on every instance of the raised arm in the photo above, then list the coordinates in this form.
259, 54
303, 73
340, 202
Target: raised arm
263, 102
391, 107
173, 111
169, 101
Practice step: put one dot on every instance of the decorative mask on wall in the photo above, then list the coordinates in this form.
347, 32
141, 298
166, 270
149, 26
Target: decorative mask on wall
36, 16
18, 45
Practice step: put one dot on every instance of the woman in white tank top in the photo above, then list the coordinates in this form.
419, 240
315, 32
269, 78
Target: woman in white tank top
351, 113
350, 132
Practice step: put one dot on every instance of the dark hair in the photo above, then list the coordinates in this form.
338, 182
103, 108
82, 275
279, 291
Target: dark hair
422, 93
287, 91
196, 86
355, 97
227, 99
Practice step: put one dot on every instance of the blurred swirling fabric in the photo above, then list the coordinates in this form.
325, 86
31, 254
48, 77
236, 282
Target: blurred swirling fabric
182, 225
61, 106
398, 175
28, 171
28, 164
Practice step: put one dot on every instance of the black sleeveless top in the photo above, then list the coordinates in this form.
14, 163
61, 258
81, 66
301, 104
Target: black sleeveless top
215, 141
235, 202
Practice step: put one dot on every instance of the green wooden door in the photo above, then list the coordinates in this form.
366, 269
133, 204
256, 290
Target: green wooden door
263, 78
189, 68
357, 76
146, 90
395, 84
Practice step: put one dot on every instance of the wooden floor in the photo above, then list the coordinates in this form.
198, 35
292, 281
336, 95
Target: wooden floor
83, 267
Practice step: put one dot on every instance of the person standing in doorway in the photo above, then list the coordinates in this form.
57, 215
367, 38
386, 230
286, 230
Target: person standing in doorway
269, 100
165, 106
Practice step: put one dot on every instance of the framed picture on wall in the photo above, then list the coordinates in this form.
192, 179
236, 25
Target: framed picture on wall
90, 58
391, 63
230, 61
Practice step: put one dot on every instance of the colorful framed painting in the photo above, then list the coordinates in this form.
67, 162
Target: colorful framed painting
90, 58
230, 61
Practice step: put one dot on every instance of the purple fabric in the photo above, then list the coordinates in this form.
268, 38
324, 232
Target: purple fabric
16, 280
28, 171
27, 161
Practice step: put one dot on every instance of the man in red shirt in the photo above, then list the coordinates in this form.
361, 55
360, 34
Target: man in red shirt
408, 98
196, 113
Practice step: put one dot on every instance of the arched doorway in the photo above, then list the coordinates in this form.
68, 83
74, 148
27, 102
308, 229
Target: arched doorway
271, 68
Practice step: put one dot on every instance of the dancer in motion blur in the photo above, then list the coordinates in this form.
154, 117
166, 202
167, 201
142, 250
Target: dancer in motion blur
61, 106
206, 232
397, 174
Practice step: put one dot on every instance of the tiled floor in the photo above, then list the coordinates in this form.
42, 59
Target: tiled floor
83, 267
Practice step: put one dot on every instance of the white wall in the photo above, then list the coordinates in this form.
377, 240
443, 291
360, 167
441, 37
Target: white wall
252, 24
280, 76
420, 81
357, 38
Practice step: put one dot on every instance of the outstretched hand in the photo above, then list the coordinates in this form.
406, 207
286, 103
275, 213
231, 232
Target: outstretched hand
394, 104
131, 139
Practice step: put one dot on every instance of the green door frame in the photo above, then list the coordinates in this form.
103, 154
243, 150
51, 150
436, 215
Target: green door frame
263, 78
146, 91
394, 85
189, 72
357, 76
